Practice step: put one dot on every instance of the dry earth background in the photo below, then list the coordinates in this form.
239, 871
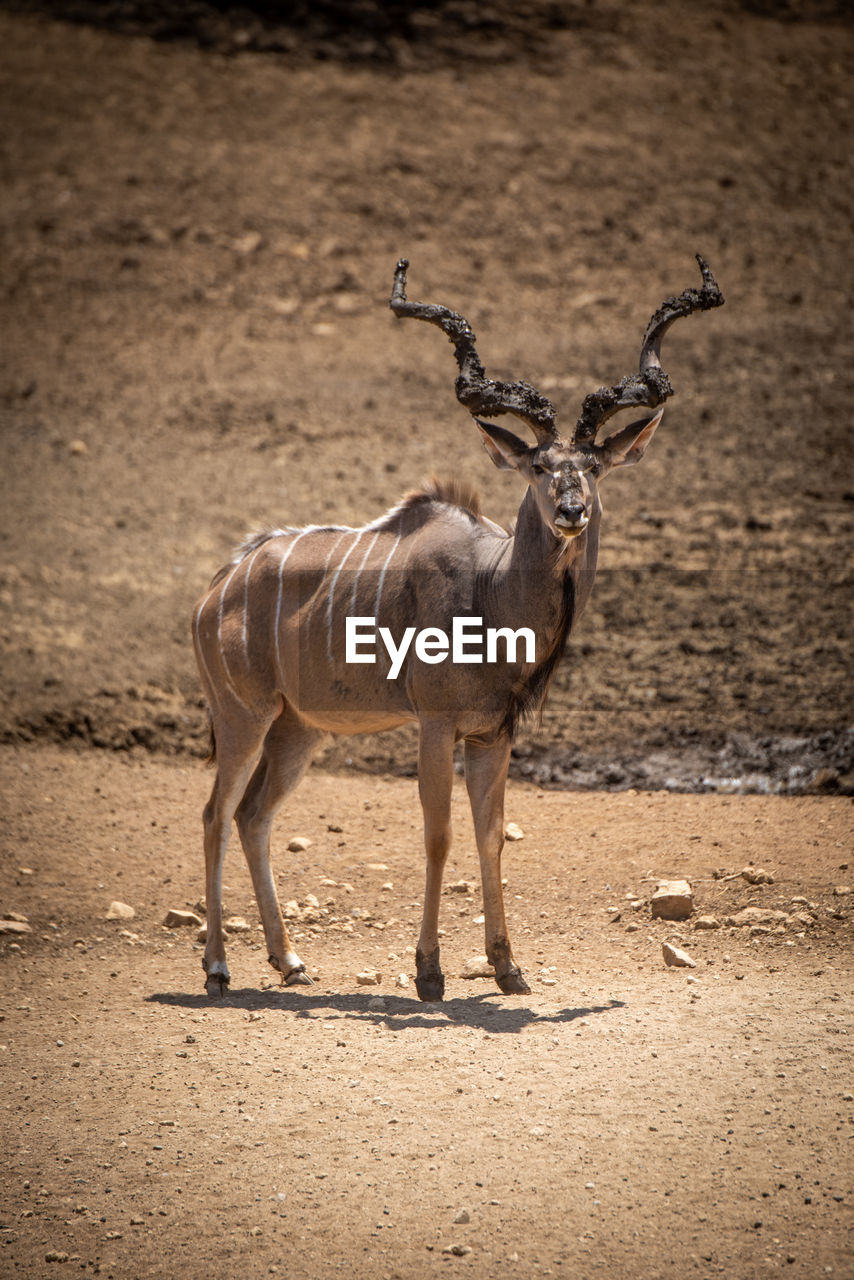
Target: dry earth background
202, 211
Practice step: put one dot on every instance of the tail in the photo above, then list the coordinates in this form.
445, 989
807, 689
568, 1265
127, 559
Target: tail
210, 759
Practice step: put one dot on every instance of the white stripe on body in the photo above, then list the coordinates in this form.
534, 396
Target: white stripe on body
305, 620
251, 561
332, 586
382, 576
359, 570
282, 564
207, 680
220, 610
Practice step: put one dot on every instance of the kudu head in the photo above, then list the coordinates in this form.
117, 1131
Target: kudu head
563, 475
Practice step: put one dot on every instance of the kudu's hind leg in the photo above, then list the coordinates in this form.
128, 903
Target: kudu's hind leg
435, 783
238, 744
486, 776
288, 749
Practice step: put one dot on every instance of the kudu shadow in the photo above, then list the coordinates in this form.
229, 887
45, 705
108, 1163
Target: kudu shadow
398, 1013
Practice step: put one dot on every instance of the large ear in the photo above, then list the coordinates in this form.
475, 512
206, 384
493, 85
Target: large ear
504, 448
626, 447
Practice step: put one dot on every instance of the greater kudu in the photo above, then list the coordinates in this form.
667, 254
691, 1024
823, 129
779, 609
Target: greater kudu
271, 634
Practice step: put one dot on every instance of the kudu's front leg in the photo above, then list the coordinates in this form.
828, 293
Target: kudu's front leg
435, 782
486, 776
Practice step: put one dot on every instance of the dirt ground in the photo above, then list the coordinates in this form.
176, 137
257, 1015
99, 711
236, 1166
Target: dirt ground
199, 234
624, 1119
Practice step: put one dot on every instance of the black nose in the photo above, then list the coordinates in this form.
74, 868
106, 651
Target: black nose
571, 511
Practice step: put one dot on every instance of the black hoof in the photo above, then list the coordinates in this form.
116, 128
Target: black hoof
513, 984
216, 986
431, 988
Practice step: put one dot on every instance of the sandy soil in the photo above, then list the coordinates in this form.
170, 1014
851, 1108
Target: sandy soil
198, 240
624, 1119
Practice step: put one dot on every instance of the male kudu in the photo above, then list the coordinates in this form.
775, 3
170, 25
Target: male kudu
270, 634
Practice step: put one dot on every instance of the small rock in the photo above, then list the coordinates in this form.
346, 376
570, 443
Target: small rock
236, 924
175, 919
674, 956
377, 1005
462, 1218
56, 1255
78, 448
707, 922
248, 243
119, 911
672, 900
369, 978
477, 967
346, 303
458, 1250
299, 844
292, 910
756, 915
842, 890
756, 875
513, 832
461, 886
402, 981
14, 926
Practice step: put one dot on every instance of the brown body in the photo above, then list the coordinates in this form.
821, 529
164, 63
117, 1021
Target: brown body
271, 638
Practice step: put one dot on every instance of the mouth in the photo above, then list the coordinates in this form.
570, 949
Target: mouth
570, 531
